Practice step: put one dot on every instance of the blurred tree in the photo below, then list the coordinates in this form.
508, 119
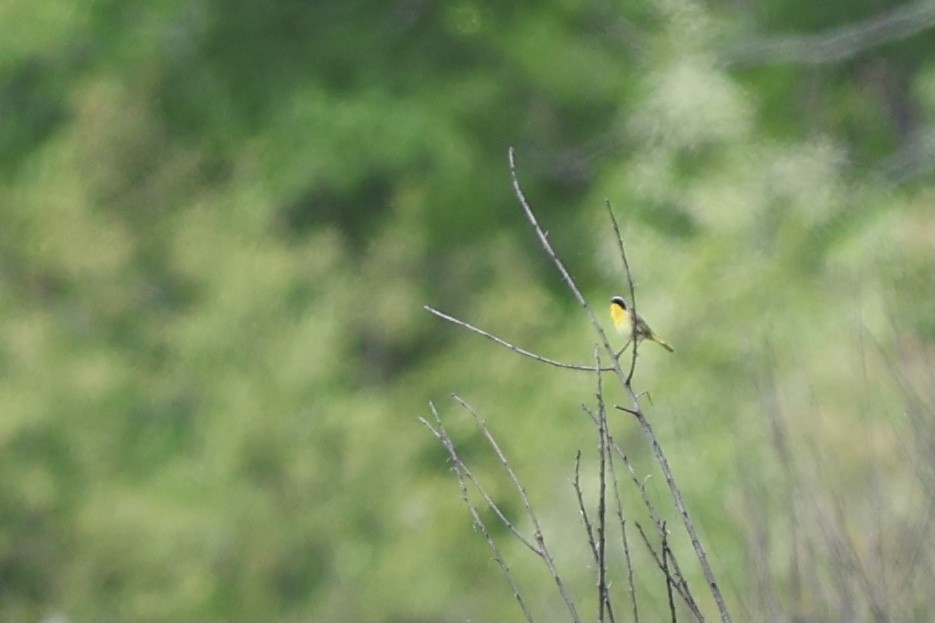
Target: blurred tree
219, 221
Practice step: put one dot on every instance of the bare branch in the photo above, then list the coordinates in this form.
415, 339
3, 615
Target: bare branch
602, 593
465, 472
547, 246
542, 550
682, 583
660, 455
461, 470
626, 556
629, 276
666, 554
673, 577
513, 347
683, 511
596, 538
581, 508
838, 44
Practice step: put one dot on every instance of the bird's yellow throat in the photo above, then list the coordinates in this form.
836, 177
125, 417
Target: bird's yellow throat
620, 316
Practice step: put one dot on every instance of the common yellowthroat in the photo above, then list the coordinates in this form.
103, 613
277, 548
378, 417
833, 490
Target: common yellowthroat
621, 317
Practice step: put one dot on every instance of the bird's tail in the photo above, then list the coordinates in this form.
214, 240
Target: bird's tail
658, 340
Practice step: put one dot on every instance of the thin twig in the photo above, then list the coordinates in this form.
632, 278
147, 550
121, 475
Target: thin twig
665, 568
466, 473
542, 550
626, 554
602, 593
626, 270
547, 246
664, 462
905, 20
513, 347
581, 508
458, 465
625, 380
615, 483
640, 485
682, 584
675, 575
684, 589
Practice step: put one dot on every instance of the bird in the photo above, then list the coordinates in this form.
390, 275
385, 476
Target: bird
621, 317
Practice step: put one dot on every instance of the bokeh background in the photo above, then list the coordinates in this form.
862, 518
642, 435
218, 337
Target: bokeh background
219, 222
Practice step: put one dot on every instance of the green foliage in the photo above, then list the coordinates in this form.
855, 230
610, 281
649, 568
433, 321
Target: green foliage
219, 223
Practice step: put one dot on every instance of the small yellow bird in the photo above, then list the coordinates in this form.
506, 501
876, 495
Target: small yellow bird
621, 317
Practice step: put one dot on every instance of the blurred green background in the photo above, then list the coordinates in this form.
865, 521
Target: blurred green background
219, 222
